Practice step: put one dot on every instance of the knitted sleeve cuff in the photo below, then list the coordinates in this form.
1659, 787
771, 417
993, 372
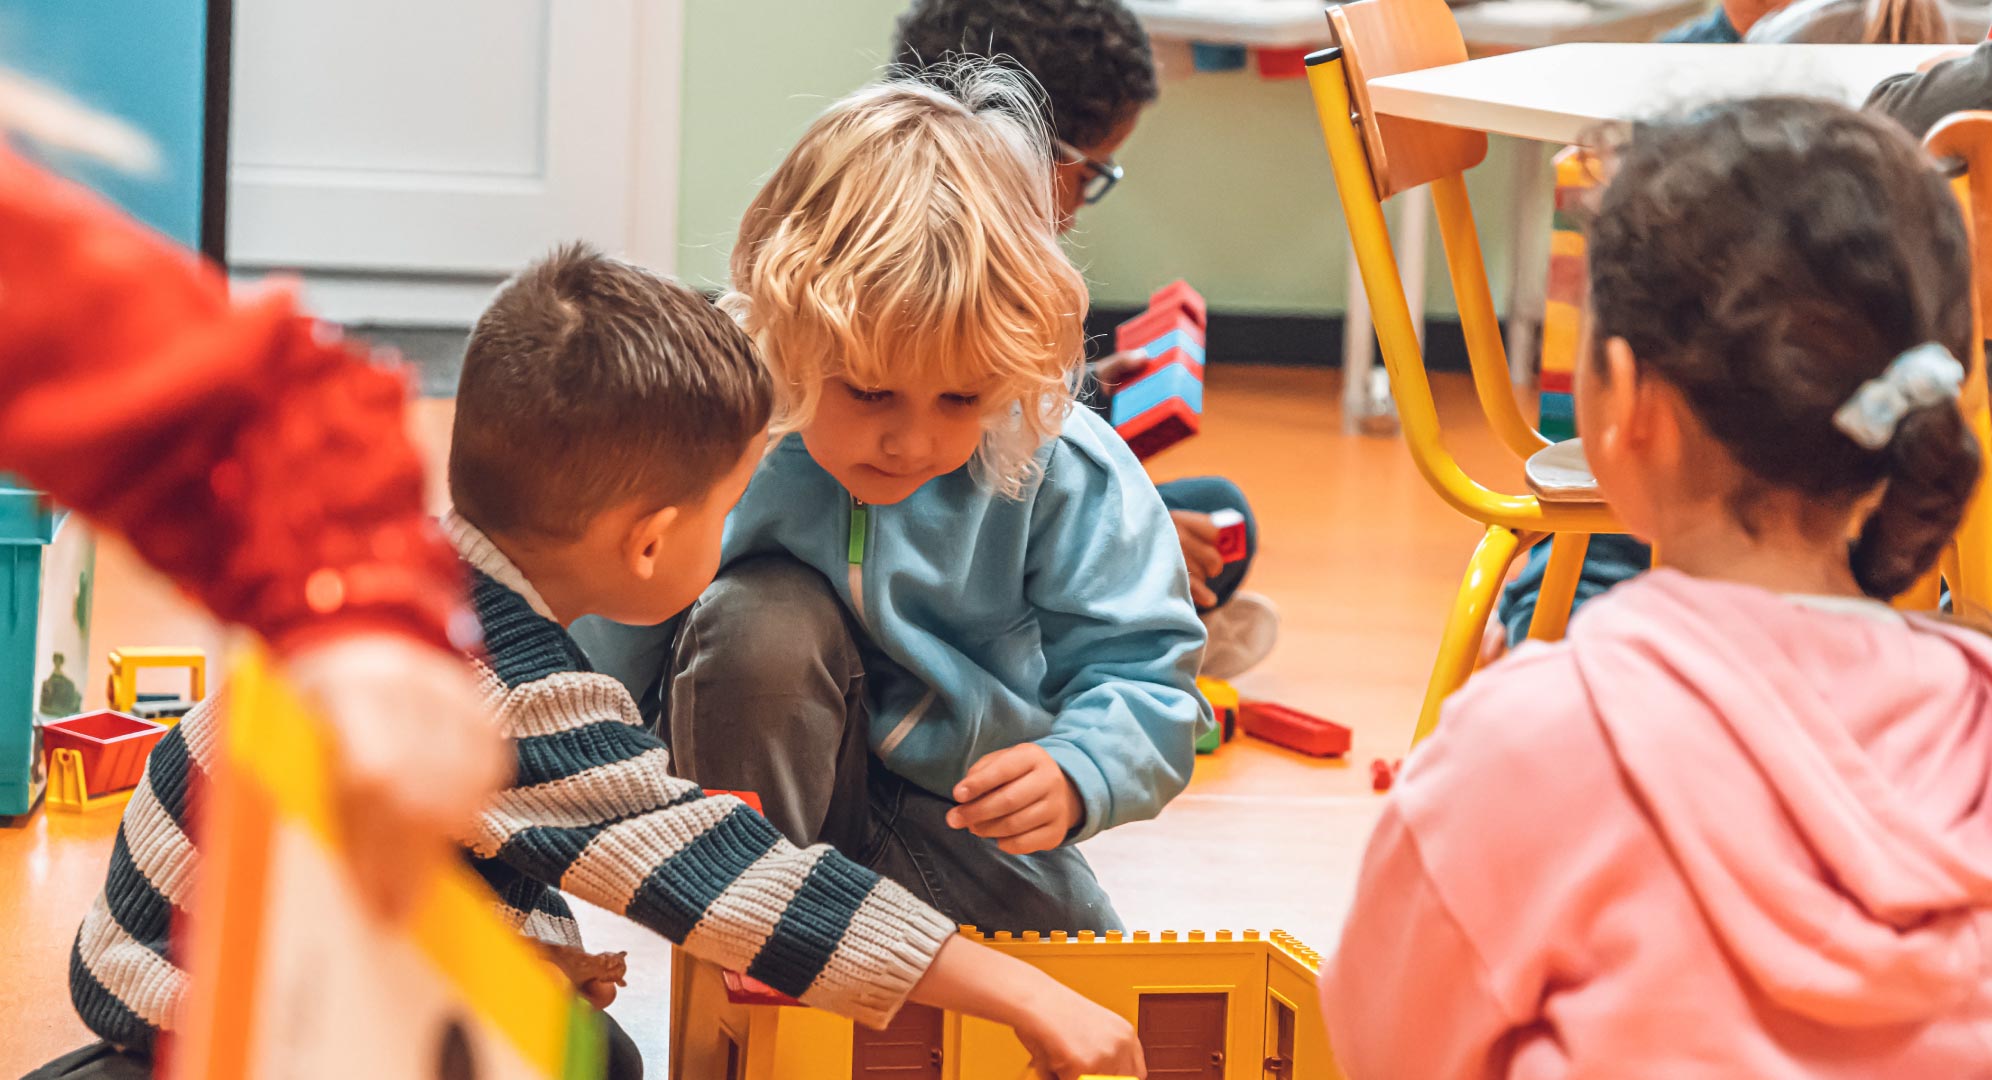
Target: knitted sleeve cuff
891, 942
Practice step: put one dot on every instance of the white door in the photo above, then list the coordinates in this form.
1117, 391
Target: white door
446, 142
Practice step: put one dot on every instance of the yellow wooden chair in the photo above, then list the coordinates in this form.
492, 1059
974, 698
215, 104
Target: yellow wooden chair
1965, 142
1375, 157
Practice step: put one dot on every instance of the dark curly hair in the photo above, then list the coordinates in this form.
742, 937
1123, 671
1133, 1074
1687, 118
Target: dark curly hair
1768, 257
1091, 56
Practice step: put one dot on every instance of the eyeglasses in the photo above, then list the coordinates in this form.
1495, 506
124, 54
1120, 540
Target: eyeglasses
1101, 176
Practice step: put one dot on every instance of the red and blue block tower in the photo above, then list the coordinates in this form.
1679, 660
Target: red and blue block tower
1161, 403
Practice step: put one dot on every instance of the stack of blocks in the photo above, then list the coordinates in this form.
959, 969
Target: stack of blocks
1564, 313
1161, 403
1223, 698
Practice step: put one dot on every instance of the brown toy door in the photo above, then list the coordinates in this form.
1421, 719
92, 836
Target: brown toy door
910, 1049
1182, 1035
1279, 1039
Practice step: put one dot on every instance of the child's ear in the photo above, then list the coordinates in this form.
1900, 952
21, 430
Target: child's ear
644, 546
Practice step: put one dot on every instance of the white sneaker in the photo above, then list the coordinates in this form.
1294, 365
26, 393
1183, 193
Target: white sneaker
1242, 634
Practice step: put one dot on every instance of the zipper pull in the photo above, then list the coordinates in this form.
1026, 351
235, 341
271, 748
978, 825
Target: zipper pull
860, 529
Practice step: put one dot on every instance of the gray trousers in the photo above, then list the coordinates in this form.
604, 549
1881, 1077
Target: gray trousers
766, 693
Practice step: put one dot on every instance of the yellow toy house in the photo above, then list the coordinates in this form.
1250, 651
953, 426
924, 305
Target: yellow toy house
1217, 1006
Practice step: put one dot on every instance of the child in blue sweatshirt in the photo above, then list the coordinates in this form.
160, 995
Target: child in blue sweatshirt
952, 633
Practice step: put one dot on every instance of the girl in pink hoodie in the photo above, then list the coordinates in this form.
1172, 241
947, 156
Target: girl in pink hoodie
1740, 822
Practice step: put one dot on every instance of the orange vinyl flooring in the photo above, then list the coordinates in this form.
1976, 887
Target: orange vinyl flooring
1361, 557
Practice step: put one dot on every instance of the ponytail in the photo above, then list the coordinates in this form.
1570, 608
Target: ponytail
1932, 470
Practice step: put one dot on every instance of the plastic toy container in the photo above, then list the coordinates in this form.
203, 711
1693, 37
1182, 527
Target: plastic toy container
113, 747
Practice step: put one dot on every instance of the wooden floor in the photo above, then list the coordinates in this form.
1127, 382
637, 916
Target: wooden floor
1361, 557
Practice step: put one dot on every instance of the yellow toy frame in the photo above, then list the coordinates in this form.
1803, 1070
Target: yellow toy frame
121, 686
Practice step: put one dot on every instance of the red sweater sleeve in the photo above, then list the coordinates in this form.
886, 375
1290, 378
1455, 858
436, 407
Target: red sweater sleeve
242, 449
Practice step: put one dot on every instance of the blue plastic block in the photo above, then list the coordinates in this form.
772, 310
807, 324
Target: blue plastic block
1171, 380
1176, 339
1558, 417
1207, 56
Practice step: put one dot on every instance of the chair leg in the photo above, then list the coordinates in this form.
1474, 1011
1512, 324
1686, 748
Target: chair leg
1970, 571
1559, 586
1928, 591
1461, 643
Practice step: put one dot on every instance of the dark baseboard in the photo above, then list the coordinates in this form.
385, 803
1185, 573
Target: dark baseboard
1284, 340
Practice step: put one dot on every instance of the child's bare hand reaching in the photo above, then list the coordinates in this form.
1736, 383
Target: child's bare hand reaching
418, 755
595, 975
1198, 535
1018, 797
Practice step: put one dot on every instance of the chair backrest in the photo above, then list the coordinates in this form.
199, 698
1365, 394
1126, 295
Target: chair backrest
1390, 37
1966, 139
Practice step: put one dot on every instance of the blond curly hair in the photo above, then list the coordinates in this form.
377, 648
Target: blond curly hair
912, 229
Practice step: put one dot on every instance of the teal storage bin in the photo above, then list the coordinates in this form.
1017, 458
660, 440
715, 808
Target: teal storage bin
49, 564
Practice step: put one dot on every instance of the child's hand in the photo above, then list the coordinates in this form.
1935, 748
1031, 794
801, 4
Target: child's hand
595, 975
1018, 797
1198, 535
1081, 1039
1111, 370
418, 755
1068, 1035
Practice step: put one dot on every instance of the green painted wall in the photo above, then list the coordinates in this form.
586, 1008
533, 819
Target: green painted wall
1227, 182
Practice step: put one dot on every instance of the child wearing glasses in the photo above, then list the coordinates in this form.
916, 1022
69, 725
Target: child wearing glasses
1093, 62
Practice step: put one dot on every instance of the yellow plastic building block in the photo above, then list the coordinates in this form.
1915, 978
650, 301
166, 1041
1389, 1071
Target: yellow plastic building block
69, 792
125, 664
1231, 1006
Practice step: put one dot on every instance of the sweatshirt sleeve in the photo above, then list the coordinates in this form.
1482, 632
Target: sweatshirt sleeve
1405, 993
1122, 642
1917, 100
595, 812
242, 450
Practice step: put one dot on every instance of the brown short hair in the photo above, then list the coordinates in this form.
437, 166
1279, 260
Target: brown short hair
589, 382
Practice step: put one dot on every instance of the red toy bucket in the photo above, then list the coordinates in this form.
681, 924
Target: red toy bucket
112, 745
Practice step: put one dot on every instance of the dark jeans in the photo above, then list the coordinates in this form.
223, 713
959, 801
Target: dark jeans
1207, 495
102, 1061
1609, 560
767, 694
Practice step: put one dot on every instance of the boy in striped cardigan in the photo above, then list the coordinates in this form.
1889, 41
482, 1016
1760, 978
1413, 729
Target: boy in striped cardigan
607, 421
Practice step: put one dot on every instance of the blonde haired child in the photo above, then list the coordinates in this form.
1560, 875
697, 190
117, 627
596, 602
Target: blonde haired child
952, 633
1735, 825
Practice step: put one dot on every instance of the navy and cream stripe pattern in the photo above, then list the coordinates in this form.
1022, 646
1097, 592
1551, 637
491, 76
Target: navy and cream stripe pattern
593, 811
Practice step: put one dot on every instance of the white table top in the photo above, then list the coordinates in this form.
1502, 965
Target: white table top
1559, 94
1503, 24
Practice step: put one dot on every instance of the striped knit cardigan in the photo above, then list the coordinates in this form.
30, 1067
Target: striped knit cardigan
592, 811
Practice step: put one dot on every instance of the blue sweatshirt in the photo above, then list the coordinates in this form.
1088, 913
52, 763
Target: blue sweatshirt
1062, 617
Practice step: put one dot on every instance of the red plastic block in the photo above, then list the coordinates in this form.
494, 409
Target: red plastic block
747, 797
1230, 534
745, 990
1293, 729
1168, 423
1282, 63
1178, 294
113, 747
1556, 382
1152, 325
1381, 775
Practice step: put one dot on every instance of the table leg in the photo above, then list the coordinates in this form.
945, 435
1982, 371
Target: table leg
1528, 283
